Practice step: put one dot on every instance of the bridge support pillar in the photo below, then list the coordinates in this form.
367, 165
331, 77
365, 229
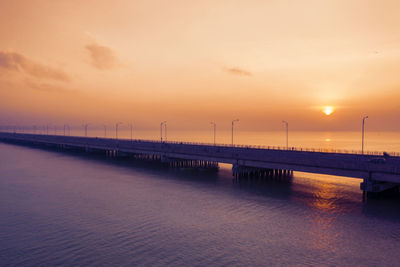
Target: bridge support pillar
258, 174
372, 186
190, 164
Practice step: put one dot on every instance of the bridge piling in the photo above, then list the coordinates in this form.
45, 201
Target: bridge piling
244, 173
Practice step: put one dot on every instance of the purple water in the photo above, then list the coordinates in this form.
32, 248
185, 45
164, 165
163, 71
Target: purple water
65, 209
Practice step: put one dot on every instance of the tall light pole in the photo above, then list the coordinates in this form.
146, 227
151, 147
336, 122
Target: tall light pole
287, 133
105, 130
86, 128
47, 129
362, 138
215, 129
69, 130
116, 129
233, 123
66, 126
131, 126
165, 131
161, 126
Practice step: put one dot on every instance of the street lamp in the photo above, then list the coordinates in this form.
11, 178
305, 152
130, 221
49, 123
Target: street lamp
105, 130
69, 129
131, 126
116, 129
165, 131
86, 128
363, 129
161, 126
233, 122
215, 129
287, 134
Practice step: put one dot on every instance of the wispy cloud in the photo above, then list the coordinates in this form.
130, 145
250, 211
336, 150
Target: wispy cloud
238, 71
102, 57
46, 87
12, 61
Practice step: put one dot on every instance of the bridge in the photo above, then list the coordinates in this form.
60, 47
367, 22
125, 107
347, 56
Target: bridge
379, 171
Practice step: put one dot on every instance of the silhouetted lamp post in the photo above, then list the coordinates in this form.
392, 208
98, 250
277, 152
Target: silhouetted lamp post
215, 129
86, 128
65, 127
131, 127
287, 134
161, 129
116, 129
165, 131
362, 138
105, 130
233, 123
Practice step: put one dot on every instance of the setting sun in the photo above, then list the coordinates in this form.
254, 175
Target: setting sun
328, 110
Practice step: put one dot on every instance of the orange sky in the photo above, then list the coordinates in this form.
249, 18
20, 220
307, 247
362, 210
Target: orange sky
191, 62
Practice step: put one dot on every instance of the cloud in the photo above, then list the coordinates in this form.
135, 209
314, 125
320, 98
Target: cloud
102, 57
238, 71
46, 87
12, 61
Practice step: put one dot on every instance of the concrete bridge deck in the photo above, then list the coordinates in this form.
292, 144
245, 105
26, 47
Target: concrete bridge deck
379, 171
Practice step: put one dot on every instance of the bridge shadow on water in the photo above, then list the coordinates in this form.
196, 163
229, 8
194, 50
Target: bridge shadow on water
330, 195
327, 195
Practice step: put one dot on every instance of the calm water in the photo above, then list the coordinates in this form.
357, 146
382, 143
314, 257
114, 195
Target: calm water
64, 209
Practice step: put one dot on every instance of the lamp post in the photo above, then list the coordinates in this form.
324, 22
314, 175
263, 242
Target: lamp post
363, 130
131, 126
233, 123
47, 129
161, 126
105, 130
215, 129
86, 128
165, 131
116, 129
287, 133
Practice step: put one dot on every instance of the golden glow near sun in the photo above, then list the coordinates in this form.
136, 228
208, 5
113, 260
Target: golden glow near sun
328, 110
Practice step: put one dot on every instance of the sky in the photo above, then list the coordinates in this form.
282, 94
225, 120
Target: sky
192, 62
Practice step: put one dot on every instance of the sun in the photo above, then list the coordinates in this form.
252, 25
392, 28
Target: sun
328, 110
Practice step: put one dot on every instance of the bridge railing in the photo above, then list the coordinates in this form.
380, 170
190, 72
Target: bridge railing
321, 150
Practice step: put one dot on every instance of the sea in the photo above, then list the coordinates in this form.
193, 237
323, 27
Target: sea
72, 209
